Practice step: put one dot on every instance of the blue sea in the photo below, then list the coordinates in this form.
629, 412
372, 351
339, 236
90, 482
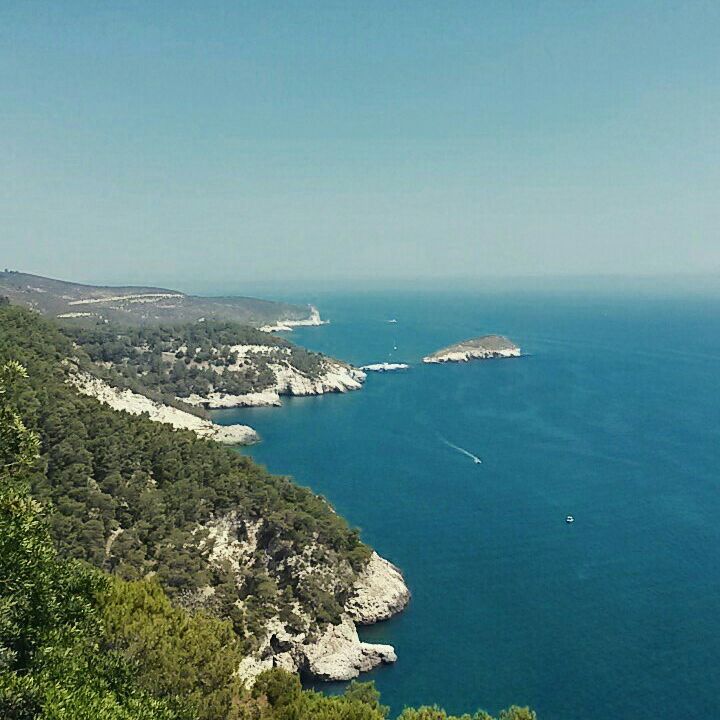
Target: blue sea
612, 415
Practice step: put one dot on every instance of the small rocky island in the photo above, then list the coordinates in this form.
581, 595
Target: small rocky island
482, 348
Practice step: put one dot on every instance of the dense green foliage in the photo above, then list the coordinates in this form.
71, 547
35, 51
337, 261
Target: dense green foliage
52, 663
18, 446
188, 658
361, 701
176, 361
78, 644
435, 713
132, 496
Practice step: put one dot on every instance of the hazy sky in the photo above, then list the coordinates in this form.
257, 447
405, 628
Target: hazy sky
236, 141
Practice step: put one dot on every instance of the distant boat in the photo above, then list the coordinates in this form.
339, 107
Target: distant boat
474, 458
569, 519
393, 320
394, 347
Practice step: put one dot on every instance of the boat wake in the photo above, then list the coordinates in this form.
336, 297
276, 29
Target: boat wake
465, 452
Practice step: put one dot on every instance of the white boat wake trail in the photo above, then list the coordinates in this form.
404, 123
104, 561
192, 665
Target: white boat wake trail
474, 458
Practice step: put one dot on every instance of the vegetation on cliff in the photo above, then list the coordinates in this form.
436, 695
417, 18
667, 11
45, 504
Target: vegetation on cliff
176, 361
79, 643
135, 497
77, 303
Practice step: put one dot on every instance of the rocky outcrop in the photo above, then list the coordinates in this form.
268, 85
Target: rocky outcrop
336, 652
335, 377
333, 652
378, 594
137, 404
217, 400
340, 655
482, 348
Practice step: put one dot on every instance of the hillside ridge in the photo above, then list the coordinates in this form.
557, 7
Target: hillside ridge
81, 303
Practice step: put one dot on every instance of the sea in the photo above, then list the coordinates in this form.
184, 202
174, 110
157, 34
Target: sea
612, 415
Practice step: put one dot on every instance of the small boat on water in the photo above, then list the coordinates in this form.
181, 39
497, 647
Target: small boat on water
569, 519
392, 320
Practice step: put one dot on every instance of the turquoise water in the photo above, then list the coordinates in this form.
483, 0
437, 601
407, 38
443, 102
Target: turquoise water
612, 416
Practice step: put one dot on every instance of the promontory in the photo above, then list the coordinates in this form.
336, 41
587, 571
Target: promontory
481, 348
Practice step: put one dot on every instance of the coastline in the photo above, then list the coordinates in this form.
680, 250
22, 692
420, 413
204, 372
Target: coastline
334, 652
337, 654
337, 377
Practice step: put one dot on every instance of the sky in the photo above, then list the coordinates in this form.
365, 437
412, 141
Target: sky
247, 142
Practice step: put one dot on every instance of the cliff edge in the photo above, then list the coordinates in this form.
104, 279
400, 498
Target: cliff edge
336, 652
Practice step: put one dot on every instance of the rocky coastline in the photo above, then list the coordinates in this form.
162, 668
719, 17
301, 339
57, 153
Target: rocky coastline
336, 377
337, 653
332, 652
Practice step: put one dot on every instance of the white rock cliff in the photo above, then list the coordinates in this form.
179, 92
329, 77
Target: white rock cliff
137, 404
336, 377
337, 653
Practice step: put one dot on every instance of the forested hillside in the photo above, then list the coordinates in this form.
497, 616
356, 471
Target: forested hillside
129, 305
100, 568
176, 361
134, 498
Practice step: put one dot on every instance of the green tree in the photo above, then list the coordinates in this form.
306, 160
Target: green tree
51, 662
190, 658
18, 446
367, 693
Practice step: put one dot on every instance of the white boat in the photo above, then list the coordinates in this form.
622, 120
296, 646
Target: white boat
569, 519
393, 320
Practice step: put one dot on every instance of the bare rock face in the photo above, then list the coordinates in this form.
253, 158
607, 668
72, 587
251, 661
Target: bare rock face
137, 404
339, 655
336, 377
379, 592
385, 367
313, 320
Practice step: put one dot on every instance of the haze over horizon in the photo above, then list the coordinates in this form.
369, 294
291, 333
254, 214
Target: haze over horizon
205, 144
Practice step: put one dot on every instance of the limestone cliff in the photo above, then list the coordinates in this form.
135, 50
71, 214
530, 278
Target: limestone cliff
137, 404
332, 652
378, 594
334, 377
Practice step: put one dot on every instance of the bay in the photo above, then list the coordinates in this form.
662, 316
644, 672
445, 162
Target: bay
611, 416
